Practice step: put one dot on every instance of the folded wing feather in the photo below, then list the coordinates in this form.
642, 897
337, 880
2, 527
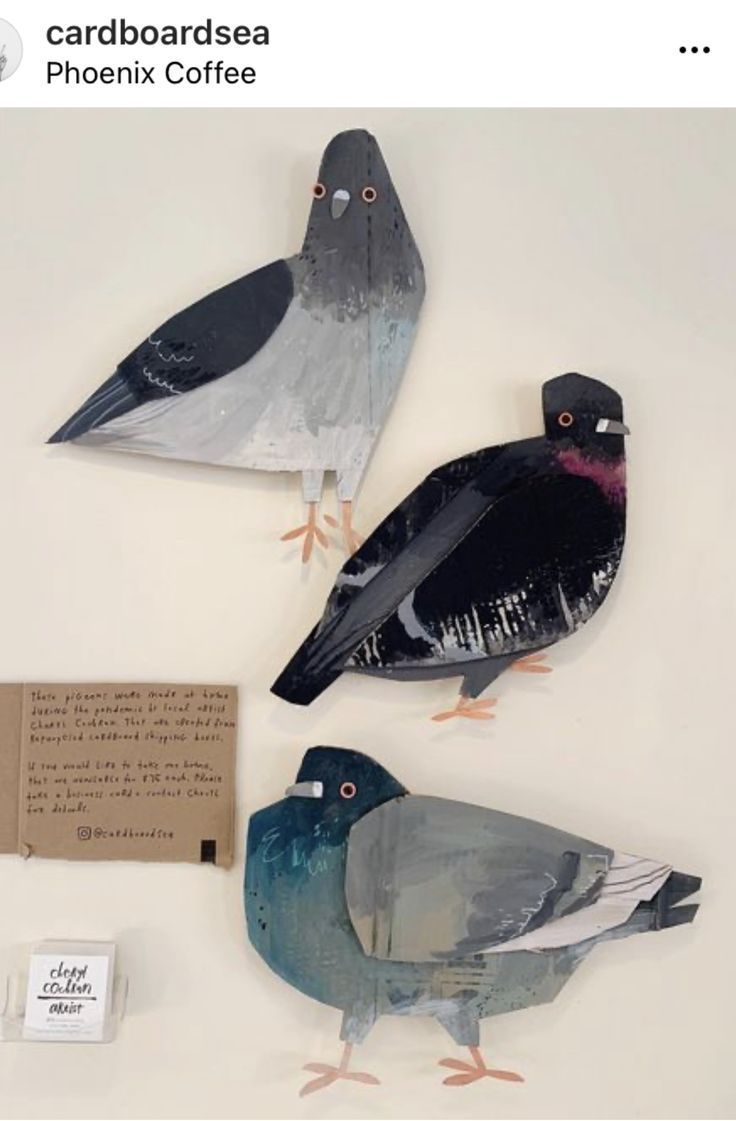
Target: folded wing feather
428, 879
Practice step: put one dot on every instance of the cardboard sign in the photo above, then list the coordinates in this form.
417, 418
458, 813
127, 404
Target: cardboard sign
118, 772
69, 991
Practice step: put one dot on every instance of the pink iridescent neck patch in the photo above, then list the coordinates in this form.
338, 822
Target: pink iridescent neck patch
608, 474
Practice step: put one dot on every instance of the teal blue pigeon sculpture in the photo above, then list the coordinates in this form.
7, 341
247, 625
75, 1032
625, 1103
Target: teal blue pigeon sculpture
380, 902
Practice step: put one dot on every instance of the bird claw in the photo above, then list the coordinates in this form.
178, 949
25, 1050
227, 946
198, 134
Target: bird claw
311, 533
531, 664
329, 1074
471, 710
351, 537
471, 1072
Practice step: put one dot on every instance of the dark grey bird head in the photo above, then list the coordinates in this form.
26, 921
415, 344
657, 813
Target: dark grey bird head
580, 412
357, 236
336, 787
353, 189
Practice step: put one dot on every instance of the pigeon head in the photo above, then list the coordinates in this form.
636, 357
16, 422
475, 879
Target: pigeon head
353, 187
357, 237
580, 412
340, 786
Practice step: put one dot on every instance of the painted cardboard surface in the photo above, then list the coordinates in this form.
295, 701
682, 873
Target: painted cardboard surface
494, 558
384, 903
292, 367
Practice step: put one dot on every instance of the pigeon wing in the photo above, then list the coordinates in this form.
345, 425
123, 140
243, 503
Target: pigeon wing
535, 567
400, 554
429, 879
408, 521
203, 342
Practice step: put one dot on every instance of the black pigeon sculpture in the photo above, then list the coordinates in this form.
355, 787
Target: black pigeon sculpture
380, 902
492, 559
293, 367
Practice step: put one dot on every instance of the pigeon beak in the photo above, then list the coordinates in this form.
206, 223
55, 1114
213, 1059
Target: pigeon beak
613, 427
305, 790
339, 202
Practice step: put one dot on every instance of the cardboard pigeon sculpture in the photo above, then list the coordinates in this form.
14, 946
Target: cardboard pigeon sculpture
494, 558
291, 368
379, 902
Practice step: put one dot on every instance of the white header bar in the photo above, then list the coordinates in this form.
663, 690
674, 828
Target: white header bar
378, 53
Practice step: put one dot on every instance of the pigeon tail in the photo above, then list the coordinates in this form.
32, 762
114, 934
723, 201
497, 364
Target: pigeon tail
111, 400
662, 908
308, 674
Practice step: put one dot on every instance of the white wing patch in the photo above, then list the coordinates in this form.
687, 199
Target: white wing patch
629, 881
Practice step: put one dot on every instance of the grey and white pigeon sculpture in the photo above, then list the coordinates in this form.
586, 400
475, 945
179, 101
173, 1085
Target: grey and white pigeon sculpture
291, 368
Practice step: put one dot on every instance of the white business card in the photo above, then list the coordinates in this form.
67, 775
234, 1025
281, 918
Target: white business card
69, 991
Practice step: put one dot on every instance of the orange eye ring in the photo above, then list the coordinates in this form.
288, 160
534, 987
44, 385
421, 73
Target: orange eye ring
348, 790
369, 194
565, 420
319, 190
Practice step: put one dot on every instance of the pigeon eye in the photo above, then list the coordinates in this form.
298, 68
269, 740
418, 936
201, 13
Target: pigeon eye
348, 790
369, 194
319, 190
565, 420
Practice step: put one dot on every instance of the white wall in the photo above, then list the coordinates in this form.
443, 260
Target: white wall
600, 241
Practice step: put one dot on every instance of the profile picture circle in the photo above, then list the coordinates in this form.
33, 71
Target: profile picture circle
11, 50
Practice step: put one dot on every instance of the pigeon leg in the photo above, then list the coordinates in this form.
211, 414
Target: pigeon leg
531, 664
352, 539
477, 676
312, 492
329, 1074
348, 482
470, 709
471, 1072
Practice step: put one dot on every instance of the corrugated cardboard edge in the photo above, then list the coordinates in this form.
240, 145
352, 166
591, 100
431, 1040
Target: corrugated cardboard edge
11, 714
226, 860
